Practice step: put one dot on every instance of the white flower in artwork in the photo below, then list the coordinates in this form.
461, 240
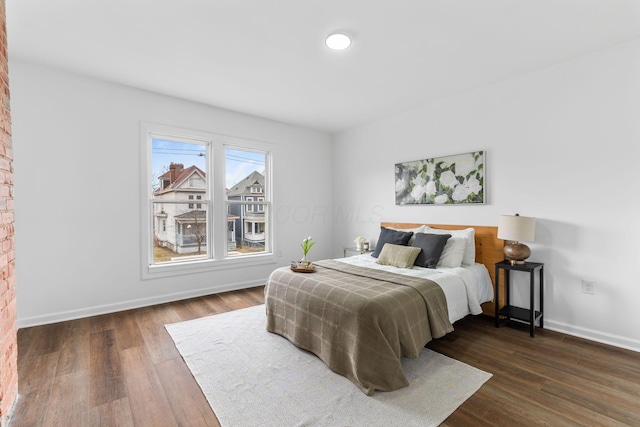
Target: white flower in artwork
418, 188
431, 169
401, 183
448, 179
418, 191
474, 185
441, 199
461, 193
430, 188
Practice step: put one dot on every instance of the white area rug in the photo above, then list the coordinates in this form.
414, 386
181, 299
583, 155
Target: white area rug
254, 378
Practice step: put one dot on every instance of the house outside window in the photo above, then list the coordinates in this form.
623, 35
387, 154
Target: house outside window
250, 210
183, 235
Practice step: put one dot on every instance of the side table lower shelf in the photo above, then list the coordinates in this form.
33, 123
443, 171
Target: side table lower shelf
519, 313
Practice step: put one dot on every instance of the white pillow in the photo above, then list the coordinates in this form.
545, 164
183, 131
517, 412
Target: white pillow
469, 234
453, 252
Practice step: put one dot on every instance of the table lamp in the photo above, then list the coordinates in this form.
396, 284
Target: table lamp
516, 228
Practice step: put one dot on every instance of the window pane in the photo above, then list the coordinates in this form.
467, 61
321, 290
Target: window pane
179, 174
176, 164
246, 222
179, 233
246, 231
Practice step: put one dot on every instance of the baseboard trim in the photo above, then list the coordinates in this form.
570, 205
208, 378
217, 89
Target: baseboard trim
589, 334
593, 335
130, 304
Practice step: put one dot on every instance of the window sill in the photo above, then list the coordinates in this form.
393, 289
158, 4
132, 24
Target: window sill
201, 266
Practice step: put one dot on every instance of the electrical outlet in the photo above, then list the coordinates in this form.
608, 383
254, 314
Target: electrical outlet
279, 253
588, 287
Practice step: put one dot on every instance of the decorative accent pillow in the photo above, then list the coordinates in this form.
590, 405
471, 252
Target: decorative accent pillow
469, 257
391, 236
453, 252
432, 246
398, 255
415, 231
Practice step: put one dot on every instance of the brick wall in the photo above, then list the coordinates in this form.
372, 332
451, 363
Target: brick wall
8, 331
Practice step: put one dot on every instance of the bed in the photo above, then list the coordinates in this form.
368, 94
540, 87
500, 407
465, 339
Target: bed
361, 318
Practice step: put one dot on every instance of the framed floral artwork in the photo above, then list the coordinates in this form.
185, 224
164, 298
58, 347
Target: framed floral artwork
449, 180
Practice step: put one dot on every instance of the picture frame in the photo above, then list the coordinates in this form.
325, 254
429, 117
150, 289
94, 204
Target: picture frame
450, 180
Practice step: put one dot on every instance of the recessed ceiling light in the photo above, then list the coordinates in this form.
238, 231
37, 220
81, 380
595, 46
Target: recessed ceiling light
338, 41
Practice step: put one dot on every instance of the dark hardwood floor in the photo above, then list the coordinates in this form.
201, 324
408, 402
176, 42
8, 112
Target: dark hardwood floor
123, 369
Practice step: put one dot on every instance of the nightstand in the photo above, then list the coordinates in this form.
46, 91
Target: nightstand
512, 312
354, 251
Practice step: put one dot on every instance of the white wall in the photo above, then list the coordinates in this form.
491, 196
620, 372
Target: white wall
76, 149
563, 145
570, 132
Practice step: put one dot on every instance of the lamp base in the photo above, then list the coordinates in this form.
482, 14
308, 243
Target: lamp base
516, 252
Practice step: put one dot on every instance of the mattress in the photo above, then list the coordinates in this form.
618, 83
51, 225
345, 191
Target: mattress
465, 288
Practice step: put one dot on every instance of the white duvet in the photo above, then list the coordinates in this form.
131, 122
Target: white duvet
464, 287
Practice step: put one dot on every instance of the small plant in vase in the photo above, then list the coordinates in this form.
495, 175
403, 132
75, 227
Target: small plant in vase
360, 241
306, 246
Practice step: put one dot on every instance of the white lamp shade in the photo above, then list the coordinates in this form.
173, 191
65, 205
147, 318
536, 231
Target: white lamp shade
516, 228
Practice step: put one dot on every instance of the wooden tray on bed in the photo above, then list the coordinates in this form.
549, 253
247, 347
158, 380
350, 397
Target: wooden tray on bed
300, 268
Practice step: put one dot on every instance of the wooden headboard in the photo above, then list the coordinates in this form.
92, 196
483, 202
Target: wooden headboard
488, 250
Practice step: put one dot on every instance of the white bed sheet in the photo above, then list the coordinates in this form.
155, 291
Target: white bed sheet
465, 288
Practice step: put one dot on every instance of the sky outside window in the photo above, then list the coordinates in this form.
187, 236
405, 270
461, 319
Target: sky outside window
239, 163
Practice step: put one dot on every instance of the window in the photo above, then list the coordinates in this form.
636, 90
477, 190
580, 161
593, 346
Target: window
249, 208
197, 205
249, 213
196, 182
225, 227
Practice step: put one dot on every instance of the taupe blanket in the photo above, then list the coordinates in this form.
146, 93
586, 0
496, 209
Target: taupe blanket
359, 321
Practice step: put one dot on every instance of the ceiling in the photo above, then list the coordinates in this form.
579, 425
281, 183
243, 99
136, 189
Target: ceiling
267, 57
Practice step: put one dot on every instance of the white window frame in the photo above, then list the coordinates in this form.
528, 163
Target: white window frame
217, 204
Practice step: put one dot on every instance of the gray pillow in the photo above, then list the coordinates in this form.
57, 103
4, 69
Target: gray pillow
395, 237
432, 246
398, 255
